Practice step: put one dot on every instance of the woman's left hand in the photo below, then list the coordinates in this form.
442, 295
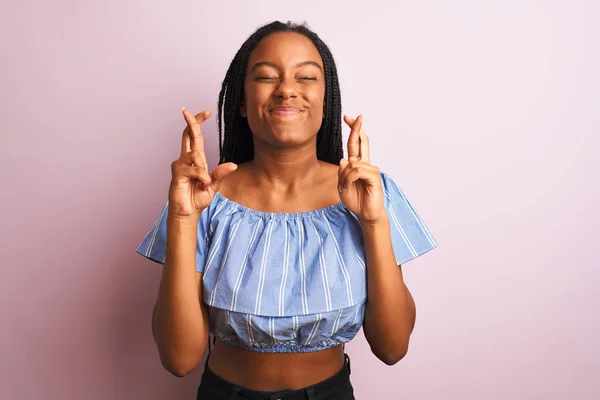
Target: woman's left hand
359, 182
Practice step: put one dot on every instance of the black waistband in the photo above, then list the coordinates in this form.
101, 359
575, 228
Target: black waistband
339, 380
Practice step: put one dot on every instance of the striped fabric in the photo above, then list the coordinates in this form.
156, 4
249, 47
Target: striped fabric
289, 282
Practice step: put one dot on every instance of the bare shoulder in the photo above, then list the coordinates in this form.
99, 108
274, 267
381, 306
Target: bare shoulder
330, 172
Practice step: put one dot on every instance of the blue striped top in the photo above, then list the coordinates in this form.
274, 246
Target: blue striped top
289, 282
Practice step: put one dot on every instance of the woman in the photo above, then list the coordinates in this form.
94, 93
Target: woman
271, 252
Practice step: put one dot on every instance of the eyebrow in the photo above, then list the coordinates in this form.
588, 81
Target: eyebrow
301, 64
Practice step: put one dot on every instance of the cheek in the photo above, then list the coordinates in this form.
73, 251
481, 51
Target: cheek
255, 105
317, 100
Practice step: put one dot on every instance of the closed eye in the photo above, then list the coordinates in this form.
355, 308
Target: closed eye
309, 78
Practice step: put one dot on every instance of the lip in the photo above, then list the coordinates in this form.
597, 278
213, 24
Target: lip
285, 110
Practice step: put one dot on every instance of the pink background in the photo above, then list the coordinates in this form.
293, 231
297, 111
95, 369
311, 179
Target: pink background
486, 113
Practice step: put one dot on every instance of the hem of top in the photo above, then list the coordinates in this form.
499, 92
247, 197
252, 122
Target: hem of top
218, 307
281, 347
282, 215
143, 254
418, 254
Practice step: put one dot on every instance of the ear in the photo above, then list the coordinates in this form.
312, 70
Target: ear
243, 109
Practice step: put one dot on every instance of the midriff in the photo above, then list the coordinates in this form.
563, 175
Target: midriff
274, 371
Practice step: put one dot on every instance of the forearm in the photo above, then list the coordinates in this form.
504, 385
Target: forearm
390, 311
178, 323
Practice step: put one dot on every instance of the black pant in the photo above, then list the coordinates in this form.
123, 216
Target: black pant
337, 387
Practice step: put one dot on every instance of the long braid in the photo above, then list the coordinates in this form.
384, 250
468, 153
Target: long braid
235, 136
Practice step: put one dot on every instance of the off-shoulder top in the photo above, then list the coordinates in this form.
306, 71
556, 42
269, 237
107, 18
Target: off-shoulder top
289, 282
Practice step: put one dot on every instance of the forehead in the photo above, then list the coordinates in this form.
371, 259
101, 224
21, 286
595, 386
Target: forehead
284, 49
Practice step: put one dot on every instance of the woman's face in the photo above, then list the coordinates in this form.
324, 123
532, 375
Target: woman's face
284, 90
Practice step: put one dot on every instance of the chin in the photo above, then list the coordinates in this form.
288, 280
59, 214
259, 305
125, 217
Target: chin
286, 137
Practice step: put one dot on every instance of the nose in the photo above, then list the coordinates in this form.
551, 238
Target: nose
287, 89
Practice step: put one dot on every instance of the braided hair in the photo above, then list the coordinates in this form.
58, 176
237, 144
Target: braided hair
235, 136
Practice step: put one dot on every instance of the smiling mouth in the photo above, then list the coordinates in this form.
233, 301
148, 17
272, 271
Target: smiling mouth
285, 111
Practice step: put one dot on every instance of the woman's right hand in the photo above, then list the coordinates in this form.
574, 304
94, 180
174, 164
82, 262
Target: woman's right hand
192, 187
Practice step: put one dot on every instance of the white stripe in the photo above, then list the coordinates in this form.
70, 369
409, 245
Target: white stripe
360, 260
249, 329
313, 332
263, 267
224, 259
153, 230
326, 287
228, 322
419, 221
238, 281
295, 326
272, 329
285, 271
336, 323
231, 211
358, 257
355, 217
302, 268
402, 233
356, 315
214, 249
157, 223
386, 193
219, 208
342, 263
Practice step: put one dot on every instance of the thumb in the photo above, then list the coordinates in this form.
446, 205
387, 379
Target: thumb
221, 171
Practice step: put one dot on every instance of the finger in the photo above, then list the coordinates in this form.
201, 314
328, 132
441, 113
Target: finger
185, 142
203, 116
198, 173
194, 122
365, 148
191, 172
354, 138
348, 120
350, 165
359, 171
353, 176
195, 158
343, 164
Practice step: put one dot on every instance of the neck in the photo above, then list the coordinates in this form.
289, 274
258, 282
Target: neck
285, 168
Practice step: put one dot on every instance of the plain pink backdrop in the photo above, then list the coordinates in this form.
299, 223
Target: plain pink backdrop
486, 114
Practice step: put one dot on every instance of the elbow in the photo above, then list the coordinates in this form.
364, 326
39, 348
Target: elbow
389, 351
179, 368
181, 363
391, 357
178, 372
